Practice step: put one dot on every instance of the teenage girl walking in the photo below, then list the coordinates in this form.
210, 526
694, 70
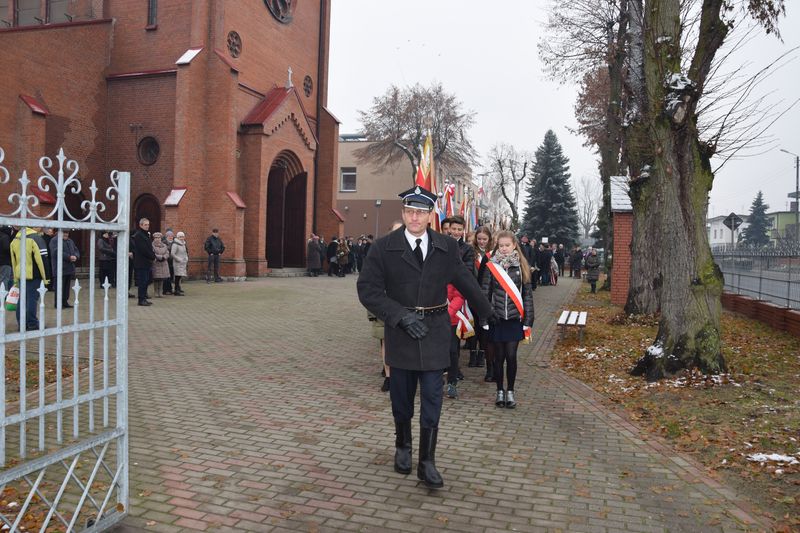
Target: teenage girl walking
483, 251
507, 284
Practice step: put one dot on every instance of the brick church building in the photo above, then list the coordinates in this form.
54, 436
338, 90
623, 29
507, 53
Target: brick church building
216, 107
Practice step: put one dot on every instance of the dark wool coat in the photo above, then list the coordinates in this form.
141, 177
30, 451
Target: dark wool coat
592, 268
468, 256
143, 254
313, 257
392, 280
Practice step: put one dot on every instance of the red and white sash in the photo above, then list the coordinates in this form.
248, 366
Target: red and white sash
479, 258
502, 277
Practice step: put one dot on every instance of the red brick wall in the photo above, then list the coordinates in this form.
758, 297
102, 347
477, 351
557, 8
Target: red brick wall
63, 68
621, 268
327, 173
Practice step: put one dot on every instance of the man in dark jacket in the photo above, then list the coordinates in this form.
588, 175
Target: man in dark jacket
63, 267
143, 257
404, 284
331, 253
214, 247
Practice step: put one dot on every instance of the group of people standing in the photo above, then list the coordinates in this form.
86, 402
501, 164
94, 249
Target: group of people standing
343, 255
163, 260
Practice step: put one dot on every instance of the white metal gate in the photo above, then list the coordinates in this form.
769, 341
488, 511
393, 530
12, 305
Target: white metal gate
63, 392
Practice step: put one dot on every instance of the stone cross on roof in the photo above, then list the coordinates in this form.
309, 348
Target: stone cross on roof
289, 83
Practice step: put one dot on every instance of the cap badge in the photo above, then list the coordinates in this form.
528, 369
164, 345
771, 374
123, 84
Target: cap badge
417, 191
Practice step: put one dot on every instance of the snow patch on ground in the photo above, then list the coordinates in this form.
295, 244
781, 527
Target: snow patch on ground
775, 457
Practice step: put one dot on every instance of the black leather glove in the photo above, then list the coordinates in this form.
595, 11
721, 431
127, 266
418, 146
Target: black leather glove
412, 325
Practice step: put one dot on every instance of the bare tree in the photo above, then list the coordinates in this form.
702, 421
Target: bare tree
589, 197
508, 169
671, 175
398, 122
493, 206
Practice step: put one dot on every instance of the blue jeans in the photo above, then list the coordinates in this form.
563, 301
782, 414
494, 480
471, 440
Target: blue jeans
31, 304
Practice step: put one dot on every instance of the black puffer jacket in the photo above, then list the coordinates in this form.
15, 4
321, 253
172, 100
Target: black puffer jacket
503, 305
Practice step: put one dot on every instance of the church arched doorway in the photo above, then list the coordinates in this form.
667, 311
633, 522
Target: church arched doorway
286, 212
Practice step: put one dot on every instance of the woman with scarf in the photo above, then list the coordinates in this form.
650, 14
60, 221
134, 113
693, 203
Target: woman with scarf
482, 243
507, 285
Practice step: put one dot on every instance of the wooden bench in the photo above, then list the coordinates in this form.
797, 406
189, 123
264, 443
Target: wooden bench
572, 319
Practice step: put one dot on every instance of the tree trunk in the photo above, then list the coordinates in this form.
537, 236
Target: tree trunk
670, 208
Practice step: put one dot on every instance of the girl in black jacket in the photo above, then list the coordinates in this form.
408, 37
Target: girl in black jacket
507, 284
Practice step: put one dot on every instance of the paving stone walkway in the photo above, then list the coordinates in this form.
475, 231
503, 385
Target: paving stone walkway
255, 407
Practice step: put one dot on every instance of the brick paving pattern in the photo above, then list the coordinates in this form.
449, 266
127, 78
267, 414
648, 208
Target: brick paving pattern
255, 407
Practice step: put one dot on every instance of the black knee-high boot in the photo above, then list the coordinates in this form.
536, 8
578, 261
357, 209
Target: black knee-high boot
426, 469
473, 358
402, 443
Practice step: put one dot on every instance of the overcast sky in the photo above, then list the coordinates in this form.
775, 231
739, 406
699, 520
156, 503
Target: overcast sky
485, 52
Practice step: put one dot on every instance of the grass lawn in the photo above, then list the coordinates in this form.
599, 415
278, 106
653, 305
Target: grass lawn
722, 421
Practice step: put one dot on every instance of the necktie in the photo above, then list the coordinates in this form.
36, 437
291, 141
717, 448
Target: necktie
418, 252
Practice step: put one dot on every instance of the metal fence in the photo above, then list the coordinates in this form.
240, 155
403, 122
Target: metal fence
63, 372
772, 274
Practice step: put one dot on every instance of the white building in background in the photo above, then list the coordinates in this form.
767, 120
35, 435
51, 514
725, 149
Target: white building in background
719, 235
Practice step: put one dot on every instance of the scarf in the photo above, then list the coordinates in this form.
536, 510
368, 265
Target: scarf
506, 261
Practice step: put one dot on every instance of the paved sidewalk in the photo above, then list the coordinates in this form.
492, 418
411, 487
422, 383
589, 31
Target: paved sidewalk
255, 407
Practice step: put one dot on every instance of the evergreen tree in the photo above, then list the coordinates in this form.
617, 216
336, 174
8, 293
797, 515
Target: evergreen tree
756, 233
551, 209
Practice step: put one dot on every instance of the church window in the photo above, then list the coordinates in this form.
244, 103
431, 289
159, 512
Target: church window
6, 21
148, 150
348, 182
308, 85
234, 44
152, 13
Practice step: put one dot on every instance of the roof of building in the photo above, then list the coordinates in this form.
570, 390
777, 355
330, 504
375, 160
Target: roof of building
620, 201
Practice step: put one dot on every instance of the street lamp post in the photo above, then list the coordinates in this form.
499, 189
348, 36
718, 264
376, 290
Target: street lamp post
377, 217
796, 195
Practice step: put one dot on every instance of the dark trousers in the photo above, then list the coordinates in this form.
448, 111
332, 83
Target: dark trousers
65, 280
166, 288
142, 281
107, 271
213, 264
403, 389
452, 372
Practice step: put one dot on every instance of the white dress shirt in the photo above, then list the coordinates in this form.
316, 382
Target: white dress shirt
412, 241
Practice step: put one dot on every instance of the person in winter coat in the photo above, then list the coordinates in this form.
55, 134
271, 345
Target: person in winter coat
143, 257
63, 267
576, 262
313, 259
560, 258
331, 255
168, 238
545, 257
107, 257
214, 247
343, 257
180, 261
508, 287
592, 269
454, 304
6, 271
161, 264
484, 354
404, 283
35, 273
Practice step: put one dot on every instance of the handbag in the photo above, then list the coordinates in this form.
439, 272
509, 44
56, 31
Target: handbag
12, 299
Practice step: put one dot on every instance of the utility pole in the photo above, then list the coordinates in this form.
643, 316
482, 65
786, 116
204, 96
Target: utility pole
796, 195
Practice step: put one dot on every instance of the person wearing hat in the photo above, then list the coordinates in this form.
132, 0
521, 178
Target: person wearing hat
404, 284
65, 273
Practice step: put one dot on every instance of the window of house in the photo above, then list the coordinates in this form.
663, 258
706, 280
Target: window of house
6, 20
715, 234
148, 151
348, 179
58, 11
28, 12
152, 12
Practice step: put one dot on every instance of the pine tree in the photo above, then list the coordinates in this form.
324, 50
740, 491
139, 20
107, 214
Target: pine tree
756, 233
551, 209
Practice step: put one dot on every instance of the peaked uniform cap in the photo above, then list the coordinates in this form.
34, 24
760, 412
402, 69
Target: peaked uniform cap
418, 198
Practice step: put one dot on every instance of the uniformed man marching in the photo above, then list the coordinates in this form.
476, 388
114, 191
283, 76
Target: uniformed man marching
404, 283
